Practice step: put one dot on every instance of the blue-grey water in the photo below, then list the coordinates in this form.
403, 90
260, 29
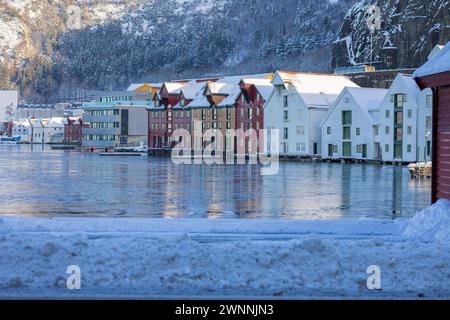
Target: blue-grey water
37, 181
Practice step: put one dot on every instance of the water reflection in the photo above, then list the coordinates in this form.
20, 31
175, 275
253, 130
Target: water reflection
38, 181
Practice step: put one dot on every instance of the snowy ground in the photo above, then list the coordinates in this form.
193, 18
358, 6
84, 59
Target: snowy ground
195, 258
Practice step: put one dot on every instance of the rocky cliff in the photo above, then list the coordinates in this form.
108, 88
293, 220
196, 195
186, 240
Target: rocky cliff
409, 31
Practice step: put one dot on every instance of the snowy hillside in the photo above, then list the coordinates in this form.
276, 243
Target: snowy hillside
413, 26
137, 40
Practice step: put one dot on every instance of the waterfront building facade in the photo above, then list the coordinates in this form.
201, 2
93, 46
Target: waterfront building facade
115, 124
350, 129
296, 107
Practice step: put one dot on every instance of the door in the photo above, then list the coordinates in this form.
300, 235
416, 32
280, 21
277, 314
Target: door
285, 147
330, 150
347, 149
364, 150
315, 148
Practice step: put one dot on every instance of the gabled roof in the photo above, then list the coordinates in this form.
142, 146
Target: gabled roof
317, 90
237, 79
264, 86
368, 100
230, 100
174, 88
440, 63
200, 100
190, 90
314, 82
409, 83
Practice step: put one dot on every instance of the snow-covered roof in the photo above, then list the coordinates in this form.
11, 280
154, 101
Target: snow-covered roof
135, 86
200, 100
21, 122
410, 84
230, 100
237, 79
174, 87
368, 99
263, 85
440, 63
314, 82
317, 90
435, 51
56, 122
190, 90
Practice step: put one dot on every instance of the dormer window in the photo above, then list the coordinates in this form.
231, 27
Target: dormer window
182, 102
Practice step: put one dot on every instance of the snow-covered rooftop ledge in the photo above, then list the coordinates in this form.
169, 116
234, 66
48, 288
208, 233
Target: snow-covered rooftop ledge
188, 258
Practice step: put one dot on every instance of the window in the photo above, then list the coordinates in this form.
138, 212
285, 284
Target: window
429, 123
335, 148
386, 130
285, 115
242, 98
301, 130
346, 134
409, 130
300, 114
249, 113
300, 147
429, 101
387, 114
386, 148
258, 97
359, 148
285, 133
408, 148
376, 130
358, 131
398, 100
182, 102
398, 134
328, 130
228, 125
188, 113
409, 113
285, 101
346, 117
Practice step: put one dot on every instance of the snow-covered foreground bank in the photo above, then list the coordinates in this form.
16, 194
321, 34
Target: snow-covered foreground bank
196, 258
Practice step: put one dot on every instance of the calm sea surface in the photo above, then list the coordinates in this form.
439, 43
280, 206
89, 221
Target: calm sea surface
37, 181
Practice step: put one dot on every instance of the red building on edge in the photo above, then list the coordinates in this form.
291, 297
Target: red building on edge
435, 74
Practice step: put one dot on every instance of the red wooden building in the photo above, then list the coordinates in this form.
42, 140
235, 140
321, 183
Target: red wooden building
435, 74
160, 115
73, 128
250, 104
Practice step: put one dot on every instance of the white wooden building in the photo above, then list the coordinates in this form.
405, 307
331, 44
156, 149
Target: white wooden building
350, 129
22, 128
406, 122
47, 130
296, 106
